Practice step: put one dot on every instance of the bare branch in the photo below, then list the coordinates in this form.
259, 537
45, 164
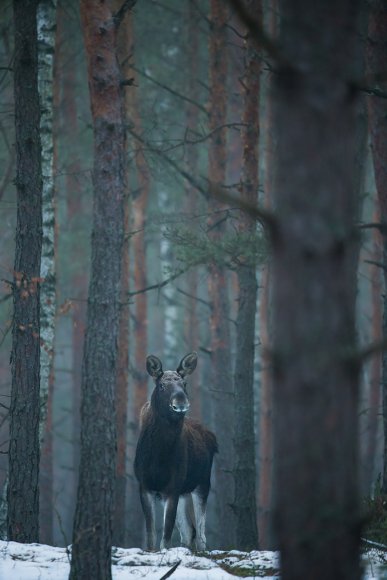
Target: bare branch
159, 285
170, 162
382, 227
171, 571
374, 263
259, 36
120, 15
170, 90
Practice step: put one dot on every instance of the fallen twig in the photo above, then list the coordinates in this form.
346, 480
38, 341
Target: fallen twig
171, 571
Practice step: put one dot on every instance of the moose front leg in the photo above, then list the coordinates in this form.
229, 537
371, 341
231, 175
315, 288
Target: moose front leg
170, 509
148, 507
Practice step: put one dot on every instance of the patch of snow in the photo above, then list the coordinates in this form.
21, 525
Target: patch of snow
42, 562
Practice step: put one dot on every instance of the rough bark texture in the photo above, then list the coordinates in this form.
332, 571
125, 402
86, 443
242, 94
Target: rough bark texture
92, 536
244, 438
23, 493
376, 63
46, 50
315, 390
120, 520
221, 382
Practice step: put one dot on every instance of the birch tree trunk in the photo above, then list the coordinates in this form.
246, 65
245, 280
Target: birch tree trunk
92, 535
46, 50
244, 439
316, 364
23, 493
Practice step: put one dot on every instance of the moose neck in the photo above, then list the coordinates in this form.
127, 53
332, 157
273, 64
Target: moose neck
168, 427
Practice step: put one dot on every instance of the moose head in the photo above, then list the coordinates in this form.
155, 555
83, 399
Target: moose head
170, 397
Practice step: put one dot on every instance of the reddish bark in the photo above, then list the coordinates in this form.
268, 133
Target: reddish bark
92, 535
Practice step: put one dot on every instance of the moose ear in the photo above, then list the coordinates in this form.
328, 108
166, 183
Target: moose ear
154, 366
187, 364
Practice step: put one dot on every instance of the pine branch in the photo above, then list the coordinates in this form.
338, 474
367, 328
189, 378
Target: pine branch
264, 216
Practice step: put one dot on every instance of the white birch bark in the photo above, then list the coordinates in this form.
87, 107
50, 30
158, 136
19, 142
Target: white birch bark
46, 45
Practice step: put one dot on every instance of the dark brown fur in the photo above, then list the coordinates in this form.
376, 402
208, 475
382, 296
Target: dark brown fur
174, 455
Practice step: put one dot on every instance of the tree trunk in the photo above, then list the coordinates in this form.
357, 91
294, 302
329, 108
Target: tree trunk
221, 381
376, 62
92, 536
315, 390
191, 320
23, 493
120, 520
46, 50
265, 439
244, 438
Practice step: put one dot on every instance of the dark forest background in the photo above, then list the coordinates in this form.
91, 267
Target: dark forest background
208, 260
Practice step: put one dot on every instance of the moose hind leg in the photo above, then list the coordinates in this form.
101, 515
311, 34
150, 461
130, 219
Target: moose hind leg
148, 507
199, 500
185, 521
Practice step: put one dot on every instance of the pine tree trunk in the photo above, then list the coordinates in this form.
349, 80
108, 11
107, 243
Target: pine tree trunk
191, 322
23, 493
120, 519
376, 61
221, 381
244, 437
316, 380
92, 536
46, 51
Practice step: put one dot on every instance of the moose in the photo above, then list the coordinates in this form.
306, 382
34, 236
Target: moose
174, 458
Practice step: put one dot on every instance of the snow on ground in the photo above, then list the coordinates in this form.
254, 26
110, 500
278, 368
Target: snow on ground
40, 562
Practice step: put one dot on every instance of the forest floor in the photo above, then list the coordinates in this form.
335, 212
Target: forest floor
38, 561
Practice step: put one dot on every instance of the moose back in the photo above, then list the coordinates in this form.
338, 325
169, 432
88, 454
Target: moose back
173, 458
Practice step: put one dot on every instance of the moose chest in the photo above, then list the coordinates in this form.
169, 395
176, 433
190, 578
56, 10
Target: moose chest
161, 464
